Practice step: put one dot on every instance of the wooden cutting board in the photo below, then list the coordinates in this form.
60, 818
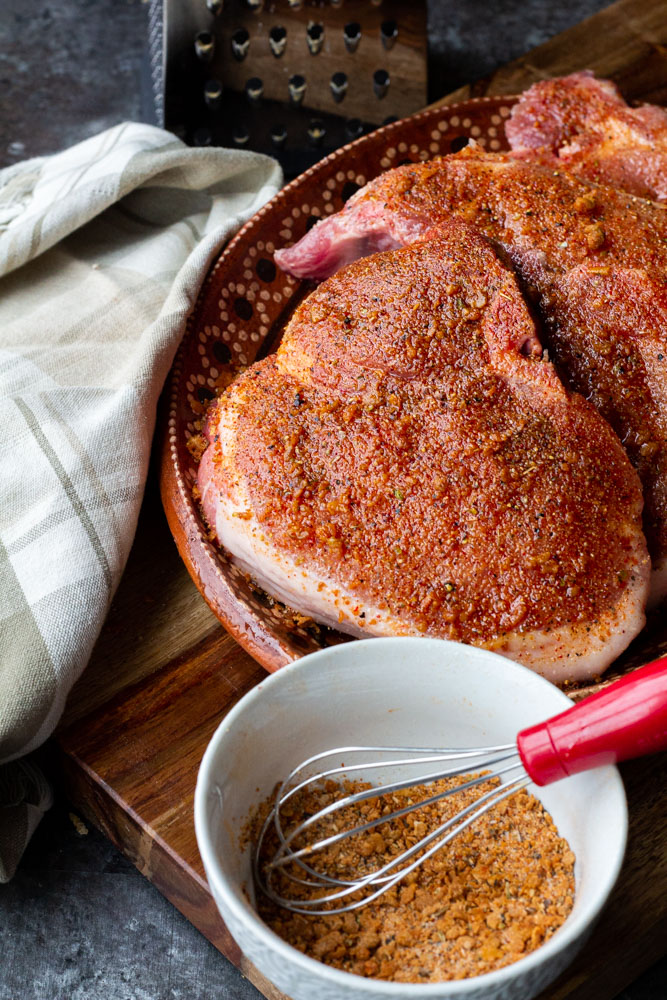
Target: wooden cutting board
164, 672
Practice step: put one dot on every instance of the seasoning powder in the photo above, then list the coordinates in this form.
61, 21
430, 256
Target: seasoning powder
495, 893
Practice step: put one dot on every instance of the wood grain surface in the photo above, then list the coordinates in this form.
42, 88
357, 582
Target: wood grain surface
164, 672
626, 42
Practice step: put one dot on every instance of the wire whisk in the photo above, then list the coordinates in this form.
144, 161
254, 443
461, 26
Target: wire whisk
627, 719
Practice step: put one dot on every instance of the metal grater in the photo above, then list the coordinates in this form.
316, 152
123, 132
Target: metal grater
292, 78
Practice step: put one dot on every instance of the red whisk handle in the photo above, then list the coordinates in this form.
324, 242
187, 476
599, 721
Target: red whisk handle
627, 719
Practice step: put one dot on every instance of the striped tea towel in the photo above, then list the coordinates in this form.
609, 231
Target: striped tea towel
102, 251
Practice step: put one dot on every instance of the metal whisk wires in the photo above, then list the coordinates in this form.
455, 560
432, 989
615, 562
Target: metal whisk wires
625, 720
297, 860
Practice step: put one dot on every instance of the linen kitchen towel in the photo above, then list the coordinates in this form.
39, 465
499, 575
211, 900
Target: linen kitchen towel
102, 251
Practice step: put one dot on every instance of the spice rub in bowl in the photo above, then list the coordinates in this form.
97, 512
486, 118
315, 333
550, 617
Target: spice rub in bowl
395, 692
492, 896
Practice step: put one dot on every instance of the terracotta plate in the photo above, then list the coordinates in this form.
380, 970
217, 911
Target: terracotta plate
242, 308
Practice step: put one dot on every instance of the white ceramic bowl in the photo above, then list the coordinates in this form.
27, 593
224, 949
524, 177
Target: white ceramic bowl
402, 691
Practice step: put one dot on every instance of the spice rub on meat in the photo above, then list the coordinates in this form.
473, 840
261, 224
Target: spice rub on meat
585, 126
592, 259
410, 463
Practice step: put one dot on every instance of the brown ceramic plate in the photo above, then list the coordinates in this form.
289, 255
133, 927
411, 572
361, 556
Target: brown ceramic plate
242, 308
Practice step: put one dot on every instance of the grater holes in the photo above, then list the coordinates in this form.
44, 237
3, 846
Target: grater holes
352, 35
213, 94
204, 46
316, 132
296, 88
254, 89
278, 136
314, 108
388, 34
338, 84
215, 6
202, 137
240, 43
315, 37
278, 40
380, 83
240, 135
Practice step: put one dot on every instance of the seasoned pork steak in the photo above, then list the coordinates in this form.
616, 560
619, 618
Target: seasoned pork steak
592, 259
585, 126
410, 463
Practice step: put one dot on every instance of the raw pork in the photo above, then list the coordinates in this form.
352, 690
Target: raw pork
410, 463
585, 125
592, 259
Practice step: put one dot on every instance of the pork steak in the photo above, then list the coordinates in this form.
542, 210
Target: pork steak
592, 259
410, 463
585, 126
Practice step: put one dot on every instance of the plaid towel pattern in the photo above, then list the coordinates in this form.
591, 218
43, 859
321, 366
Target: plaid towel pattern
102, 251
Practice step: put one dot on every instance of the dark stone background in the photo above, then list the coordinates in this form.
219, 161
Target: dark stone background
78, 922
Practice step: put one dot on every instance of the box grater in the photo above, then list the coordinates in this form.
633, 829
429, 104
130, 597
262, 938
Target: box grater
292, 78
